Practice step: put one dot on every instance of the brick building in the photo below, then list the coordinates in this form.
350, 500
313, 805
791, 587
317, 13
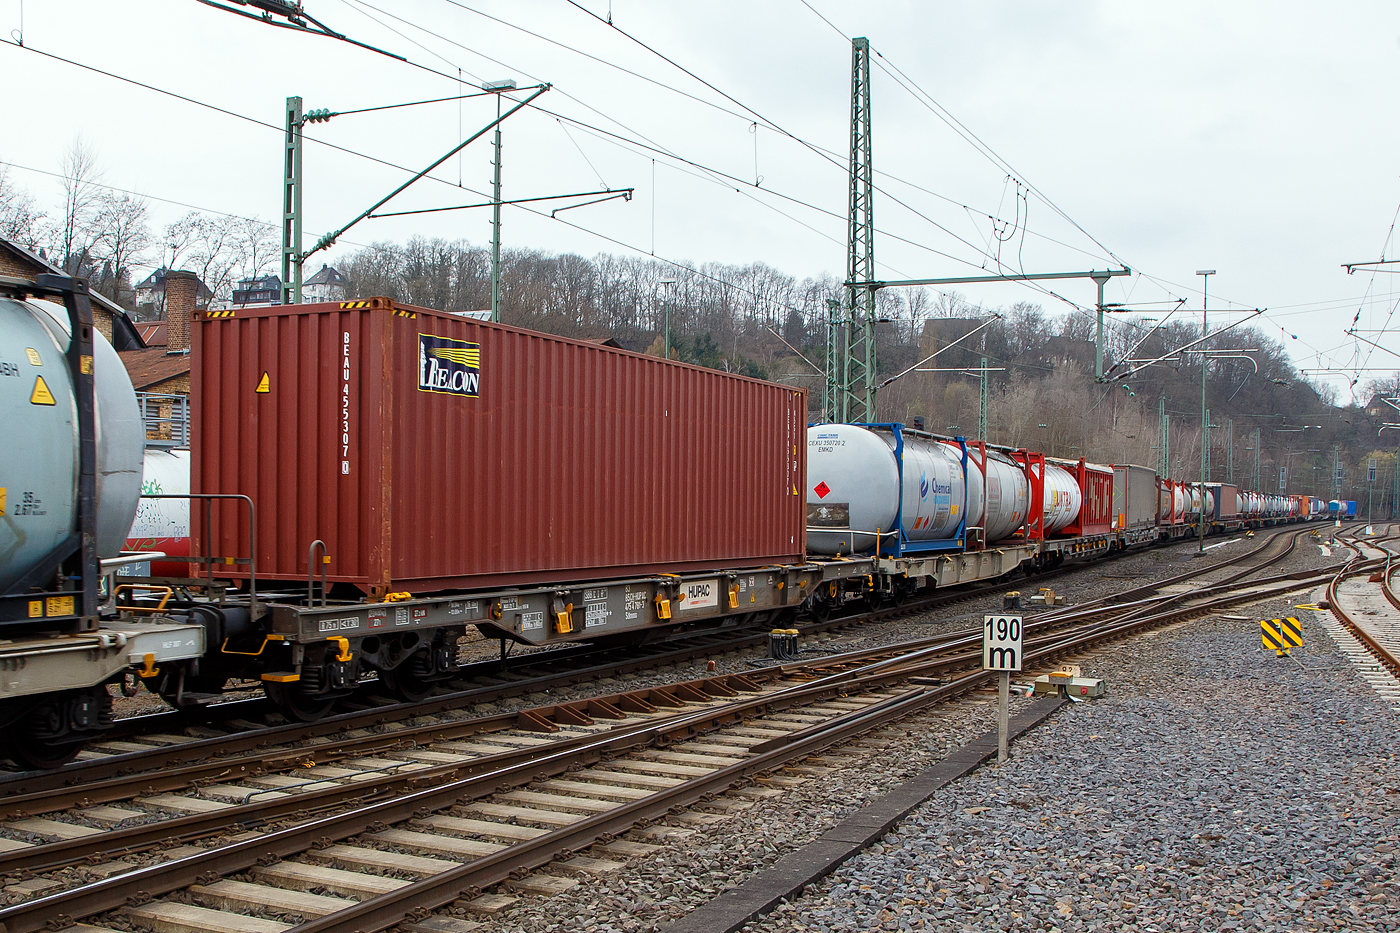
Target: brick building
163, 366
19, 263
160, 371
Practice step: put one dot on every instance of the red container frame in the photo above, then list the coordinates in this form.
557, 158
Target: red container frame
573, 462
1096, 499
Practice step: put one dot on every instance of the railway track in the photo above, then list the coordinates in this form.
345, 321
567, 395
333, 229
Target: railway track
171, 739
1364, 602
416, 842
194, 756
211, 796
250, 765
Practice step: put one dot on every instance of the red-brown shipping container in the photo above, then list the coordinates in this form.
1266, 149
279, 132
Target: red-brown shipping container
433, 452
1096, 505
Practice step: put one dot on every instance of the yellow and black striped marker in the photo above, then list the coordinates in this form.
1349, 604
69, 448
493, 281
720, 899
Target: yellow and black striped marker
1281, 635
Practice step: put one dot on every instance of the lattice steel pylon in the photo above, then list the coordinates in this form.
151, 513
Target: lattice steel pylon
855, 369
1164, 460
833, 391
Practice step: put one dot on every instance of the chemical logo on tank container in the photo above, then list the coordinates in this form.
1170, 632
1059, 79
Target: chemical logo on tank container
448, 367
923, 485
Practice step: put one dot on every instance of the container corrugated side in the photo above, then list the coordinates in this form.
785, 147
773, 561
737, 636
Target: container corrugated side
287, 408
537, 459
1226, 501
1135, 496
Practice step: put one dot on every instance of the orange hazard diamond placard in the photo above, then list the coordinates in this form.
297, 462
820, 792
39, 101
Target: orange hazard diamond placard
822, 490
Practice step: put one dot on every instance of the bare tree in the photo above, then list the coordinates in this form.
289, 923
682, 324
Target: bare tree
20, 221
218, 254
74, 234
179, 240
259, 245
123, 237
1386, 387
220, 249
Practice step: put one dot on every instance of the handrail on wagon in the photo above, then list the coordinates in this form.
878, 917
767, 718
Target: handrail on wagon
251, 560
311, 571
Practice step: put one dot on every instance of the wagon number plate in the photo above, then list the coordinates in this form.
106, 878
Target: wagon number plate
338, 625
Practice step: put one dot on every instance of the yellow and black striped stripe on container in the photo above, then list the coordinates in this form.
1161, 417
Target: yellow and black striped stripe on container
209, 314
355, 305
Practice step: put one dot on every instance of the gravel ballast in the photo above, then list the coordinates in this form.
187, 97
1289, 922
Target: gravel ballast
1218, 787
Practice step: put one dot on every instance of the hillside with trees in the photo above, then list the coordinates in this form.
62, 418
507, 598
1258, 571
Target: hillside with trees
759, 321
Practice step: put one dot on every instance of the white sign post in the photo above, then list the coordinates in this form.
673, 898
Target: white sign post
1001, 651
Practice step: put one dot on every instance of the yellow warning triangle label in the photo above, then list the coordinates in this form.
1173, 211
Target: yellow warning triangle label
41, 394
264, 384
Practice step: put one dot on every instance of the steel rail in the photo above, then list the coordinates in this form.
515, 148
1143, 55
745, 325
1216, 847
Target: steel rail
201, 751
143, 883
413, 900
110, 790
541, 719
1191, 574
1386, 587
166, 758
1356, 566
418, 900
250, 815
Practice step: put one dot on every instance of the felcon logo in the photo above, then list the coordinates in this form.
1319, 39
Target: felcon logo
449, 367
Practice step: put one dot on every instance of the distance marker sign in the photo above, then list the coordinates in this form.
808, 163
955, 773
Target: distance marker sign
1001, 643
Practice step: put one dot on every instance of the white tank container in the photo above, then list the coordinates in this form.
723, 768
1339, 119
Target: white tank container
162, 524
853, 489
40, 486
1008, 497
1173, 501
997, 502
935, 491
1062, 498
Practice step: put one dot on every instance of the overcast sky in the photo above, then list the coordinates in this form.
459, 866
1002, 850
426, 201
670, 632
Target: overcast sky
1249, 137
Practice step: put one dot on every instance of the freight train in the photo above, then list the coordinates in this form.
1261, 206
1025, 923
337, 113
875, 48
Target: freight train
367, 480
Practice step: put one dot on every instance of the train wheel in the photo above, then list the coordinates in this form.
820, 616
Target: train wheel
403, 684
903, 589
38, 754
54, 730
296, 706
